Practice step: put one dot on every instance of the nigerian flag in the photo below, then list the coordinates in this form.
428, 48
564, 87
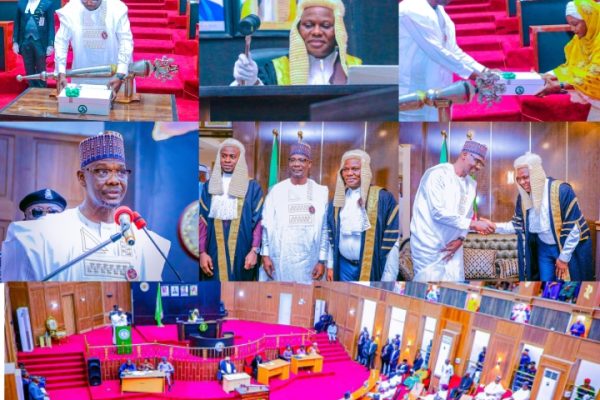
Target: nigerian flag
158, 312
444, 152
274, 166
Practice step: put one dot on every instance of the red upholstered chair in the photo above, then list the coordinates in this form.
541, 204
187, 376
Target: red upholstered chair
506, 394
427, 381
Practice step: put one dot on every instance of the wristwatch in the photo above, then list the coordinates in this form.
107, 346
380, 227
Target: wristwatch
121, 76
256, 250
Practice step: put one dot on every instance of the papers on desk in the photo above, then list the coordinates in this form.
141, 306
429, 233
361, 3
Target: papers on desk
521, 83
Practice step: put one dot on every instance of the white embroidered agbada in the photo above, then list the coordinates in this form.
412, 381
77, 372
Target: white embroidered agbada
442, 212
429, 54
492, 391
98, 37
34, 249
294, 230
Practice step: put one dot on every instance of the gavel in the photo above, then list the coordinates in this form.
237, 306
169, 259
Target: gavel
248, 25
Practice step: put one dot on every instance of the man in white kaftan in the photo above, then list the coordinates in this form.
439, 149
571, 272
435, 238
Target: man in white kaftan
99, 34
442, 213
34, 249
492, 391
429, 54
447, 373
117, 319
294, 236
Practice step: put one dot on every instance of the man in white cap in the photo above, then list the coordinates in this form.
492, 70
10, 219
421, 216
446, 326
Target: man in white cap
553, 235
294, 236
230, 213
34, 249
442, 216
98, 32
429, 55
318, 50
363, 224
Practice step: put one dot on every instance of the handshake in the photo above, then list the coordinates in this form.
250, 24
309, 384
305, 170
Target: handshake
483, 226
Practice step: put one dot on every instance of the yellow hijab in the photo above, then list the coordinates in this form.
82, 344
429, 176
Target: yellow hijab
582, 68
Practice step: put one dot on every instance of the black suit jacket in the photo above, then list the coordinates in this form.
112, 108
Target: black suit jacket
45, 9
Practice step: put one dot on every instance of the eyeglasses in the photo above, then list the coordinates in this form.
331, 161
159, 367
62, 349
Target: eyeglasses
104, 173
300, 160
40, 212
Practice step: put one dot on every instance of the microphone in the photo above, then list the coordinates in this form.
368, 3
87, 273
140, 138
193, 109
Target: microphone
123, 217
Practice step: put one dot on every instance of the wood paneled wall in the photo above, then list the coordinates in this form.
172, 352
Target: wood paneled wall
329, 141
28, 162
91, 303
569, 152
256, 301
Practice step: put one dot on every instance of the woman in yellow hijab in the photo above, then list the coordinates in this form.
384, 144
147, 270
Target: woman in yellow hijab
580, 74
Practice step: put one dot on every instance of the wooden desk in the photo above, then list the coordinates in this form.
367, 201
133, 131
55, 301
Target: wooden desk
143, 382
312, 361
36, 104
233, 381
273, 368
293, 103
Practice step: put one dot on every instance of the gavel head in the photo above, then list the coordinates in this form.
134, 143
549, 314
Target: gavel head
249, 24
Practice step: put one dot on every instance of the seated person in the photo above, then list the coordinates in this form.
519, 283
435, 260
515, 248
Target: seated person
301, 350
287, 353
194, 315
256, 361
411, 380
332, 332
314, 349
323, 324
442, 394
226, 367
524, 393
463, 387
403, 368
492, 391
579, 73
422, 374
146, 366
167, 368
35, 391
127, 367
585, 390
317, 53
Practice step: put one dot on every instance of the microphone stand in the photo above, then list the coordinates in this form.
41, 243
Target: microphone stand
88, 253
160, 251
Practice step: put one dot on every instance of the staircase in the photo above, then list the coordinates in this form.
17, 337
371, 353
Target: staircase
331, 352
62, 371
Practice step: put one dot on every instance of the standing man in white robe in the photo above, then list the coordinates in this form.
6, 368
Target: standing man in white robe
447, 372
429, 54
294, 236
118, 319
442, 214
99, 34
34, 249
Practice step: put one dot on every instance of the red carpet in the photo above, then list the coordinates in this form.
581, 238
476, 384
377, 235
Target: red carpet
65, 370
157, 30
484, 31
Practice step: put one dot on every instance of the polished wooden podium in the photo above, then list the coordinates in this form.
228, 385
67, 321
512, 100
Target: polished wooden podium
299, 103
36, 104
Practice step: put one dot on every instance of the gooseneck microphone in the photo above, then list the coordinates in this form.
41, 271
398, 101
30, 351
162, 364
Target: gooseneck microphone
123, 217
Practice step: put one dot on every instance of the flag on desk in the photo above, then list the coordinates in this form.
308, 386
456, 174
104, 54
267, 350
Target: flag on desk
158, 312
